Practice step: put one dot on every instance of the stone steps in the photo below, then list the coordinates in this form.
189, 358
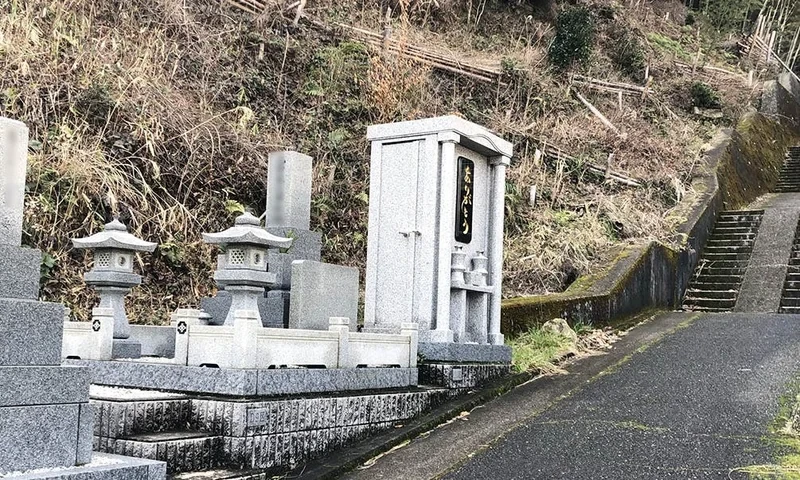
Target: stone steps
715, 284
184, 451
790, 297
711, 294
730, 270
789, 180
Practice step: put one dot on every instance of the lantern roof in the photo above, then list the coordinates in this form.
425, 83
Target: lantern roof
114, 235
247, 230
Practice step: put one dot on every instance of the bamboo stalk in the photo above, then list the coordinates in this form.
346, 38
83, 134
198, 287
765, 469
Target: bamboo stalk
600, 170
621, 86
597, 113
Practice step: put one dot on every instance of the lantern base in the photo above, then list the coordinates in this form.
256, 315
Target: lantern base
126, 348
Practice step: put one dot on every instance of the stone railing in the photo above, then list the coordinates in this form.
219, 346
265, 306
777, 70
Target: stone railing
248, 345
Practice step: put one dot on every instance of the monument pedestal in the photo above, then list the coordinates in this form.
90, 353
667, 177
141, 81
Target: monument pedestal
46, 420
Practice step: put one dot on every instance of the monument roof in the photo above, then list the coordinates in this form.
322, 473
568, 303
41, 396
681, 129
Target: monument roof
472, 135
247, 230
114, 235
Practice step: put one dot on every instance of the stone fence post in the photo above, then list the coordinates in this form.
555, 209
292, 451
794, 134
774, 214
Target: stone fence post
412, 330
245, 330
102, 336
342, 326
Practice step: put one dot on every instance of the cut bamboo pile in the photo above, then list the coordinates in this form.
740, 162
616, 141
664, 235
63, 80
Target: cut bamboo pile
710, 70
413, 52
610, 87
604, 171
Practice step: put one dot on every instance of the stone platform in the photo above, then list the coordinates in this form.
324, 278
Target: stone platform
202, 432
242, 382
102, 467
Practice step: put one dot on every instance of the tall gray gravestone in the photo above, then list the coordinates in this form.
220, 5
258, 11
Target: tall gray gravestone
46, 420
435, 246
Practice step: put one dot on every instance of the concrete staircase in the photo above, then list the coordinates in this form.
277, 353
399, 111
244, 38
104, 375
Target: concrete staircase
720, 271
790, 297
789, 181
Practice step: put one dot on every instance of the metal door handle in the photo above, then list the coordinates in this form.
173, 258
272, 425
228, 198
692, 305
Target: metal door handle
416, 233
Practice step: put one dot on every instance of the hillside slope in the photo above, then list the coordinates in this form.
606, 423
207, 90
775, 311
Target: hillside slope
164, 111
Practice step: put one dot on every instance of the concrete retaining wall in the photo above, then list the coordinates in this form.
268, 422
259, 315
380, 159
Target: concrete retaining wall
741, 165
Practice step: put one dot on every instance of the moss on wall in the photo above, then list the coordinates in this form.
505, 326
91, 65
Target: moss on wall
750, 166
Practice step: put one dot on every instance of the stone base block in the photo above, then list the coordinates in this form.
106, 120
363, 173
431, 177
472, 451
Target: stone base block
269, 382
30, 332
126, 348
37, 385
102, 467
461, 376
464, 353
219, 306
321, 291
41, 436
156, 341
276, 309
19, 272
306, 245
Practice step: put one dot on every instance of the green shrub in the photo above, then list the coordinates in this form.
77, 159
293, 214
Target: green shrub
668, 45
626, 52
575, 31
704, 96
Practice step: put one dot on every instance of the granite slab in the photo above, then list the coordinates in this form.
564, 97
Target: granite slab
297, 381
464, 353
43, 385
176, 378
103, 466
321, 291
39, 436
223, 381
30, 332
19, 272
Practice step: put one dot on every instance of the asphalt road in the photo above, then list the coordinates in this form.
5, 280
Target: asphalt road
680, 398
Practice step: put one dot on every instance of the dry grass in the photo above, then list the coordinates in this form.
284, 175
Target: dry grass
164, 111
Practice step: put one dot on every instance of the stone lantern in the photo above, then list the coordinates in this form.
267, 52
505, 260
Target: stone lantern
242, 269
112, 276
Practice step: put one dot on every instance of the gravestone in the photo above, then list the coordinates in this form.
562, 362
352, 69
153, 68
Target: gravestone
46, 420
13, 161
289, 190
435, 246
321, 291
